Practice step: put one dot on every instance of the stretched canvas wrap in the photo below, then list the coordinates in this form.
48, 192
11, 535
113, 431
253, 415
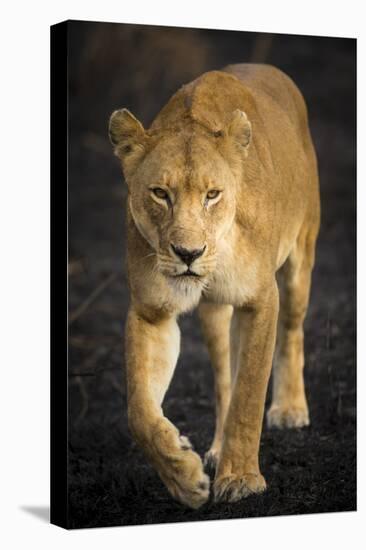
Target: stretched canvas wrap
203, 274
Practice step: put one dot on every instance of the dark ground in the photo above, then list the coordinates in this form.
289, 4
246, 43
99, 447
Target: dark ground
308, 471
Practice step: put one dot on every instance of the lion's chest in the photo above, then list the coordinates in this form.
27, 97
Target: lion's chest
233, 283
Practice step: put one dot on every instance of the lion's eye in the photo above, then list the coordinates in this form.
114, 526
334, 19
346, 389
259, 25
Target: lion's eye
213, 194
160, 193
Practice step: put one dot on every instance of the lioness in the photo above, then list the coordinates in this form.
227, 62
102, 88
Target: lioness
223, 214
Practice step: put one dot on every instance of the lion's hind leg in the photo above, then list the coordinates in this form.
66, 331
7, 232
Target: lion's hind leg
289, 407
215, 322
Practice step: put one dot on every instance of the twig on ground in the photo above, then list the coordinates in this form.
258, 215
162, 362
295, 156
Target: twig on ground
90, 299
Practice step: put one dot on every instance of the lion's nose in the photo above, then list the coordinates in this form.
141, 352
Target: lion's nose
188, 256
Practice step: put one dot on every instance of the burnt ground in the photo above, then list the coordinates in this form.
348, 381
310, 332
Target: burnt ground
308, 471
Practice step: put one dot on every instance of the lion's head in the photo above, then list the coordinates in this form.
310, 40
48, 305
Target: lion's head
182, 183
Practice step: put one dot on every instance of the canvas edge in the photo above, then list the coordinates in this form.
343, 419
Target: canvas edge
59, 275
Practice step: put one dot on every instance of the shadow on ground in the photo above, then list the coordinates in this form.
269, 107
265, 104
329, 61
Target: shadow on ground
40, 512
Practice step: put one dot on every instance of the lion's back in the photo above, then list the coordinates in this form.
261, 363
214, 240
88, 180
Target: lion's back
267, 82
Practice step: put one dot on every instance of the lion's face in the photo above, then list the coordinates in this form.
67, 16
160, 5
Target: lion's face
182, 197
183, 202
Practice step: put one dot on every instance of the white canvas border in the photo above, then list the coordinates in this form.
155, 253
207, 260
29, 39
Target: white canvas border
25, 270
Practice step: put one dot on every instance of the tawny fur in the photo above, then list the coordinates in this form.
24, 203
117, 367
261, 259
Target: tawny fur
241, 133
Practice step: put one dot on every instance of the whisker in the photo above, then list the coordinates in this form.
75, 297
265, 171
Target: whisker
139, 260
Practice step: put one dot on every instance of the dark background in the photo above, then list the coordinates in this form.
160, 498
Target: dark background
307, 471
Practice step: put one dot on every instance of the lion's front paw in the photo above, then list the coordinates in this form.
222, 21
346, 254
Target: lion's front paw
288, 417
185, 479
179, 467
234, 487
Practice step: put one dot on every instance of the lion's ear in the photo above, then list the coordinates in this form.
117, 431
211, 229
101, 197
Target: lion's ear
127, 135
240, 129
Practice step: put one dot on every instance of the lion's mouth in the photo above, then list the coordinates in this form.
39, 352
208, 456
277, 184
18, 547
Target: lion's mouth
188, 273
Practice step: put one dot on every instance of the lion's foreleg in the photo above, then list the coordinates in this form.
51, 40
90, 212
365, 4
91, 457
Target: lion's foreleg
215, 322
152, 352
238, 473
